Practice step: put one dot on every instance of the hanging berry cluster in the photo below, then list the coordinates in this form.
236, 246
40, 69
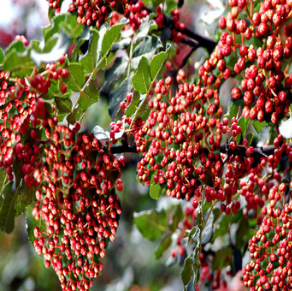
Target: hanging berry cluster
73, 174
270, 247
77, 201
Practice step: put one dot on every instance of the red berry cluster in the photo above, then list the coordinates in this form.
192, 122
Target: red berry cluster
270, 248
181, 146
263, 64
77, 201
75, 177
95, 13
21, 107
178, 134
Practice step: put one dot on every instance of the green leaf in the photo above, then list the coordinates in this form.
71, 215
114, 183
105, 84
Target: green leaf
1, 56
31, 223
152, 224
258, 126
156, 64
156, 191
25, 197
7, 213
243, 123
164, 244
54, 26
118, 95
88, 61
16, 45
249, 138
71, 27
141, 80
233, 110
3, 179
18, 63
176, 217
145, 48
187, 271
134, 104
111, 36
89, 97
76, 77
63, 105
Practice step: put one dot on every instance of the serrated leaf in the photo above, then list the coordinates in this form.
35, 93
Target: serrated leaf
176, 217
7, 213
163, 245
89, 97
141, 80
63, 105
76, 77
156, 64
88, 61
111, 36
152, 224
146, 48
258, 126
155, 191
31, 223
118, 95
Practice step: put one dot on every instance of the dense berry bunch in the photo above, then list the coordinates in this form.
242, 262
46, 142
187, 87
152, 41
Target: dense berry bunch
176, 135
181, 142
261, 45
95, 13
23, 109
270, 248
77, 201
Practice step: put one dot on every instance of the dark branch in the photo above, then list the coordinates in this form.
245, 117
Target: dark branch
240, 150
199, 40
125, 148
203, 41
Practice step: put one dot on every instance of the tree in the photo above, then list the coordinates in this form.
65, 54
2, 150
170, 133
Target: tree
228, 158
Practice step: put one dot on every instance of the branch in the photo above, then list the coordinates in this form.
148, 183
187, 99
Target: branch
240, 150
199, 40
125, 148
